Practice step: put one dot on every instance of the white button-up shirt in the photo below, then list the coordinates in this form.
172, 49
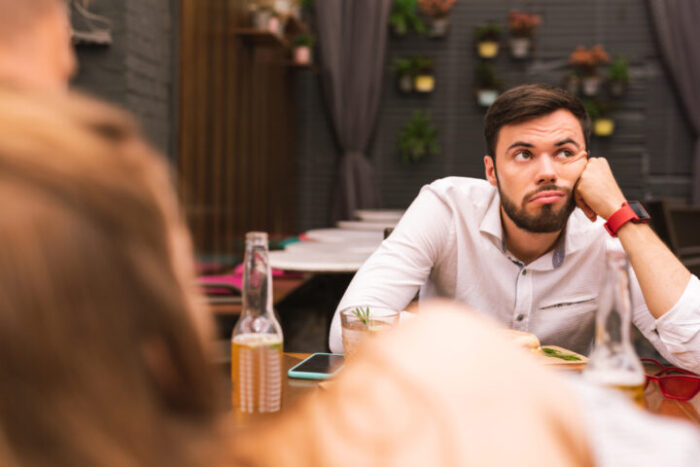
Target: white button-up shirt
450, 243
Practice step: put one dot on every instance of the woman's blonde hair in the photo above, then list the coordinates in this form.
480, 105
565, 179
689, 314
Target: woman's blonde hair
101, 356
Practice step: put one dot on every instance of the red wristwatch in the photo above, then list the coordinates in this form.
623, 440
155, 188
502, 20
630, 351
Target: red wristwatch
630, 211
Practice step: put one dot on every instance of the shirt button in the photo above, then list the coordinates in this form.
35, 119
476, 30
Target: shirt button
520, 317
524, 271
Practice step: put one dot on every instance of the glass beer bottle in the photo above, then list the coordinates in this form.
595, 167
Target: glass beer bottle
256, 342
613, 362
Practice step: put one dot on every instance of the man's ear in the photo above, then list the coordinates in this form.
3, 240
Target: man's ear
490, 167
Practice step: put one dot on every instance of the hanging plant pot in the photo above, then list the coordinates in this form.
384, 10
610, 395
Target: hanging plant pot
424, 83
617, 88
572, 84
520, 47
487, 49
302, 55
405, 83
486, 97
439, 26
603, 126
590, 85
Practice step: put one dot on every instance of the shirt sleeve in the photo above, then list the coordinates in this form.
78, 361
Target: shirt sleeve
393, 274
676, 334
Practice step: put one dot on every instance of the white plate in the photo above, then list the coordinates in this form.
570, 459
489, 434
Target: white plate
379, 215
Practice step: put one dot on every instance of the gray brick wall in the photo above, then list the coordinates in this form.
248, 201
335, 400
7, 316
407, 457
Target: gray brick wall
650, 151
136, 71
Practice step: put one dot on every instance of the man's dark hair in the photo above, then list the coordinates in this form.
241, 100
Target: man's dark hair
527, 102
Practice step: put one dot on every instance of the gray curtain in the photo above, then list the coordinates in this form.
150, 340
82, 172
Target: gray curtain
352, 38
676, 23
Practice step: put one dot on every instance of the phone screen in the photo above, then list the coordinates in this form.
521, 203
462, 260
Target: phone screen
320, 363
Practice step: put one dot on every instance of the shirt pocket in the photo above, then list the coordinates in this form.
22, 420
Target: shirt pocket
575, 303
567, 321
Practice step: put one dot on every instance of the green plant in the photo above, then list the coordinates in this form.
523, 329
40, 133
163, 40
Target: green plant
306, 3
423, 64
490, 31
362, 314
404, 16
485, 76
598, 108
304, 40
619, 70
404, 66
418, 138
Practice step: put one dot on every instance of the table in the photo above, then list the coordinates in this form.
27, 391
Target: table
656, 403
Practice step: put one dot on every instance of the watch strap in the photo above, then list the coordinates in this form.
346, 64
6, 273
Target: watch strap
620, 218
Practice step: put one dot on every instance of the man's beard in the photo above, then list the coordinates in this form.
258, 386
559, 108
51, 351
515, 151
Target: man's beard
548, 220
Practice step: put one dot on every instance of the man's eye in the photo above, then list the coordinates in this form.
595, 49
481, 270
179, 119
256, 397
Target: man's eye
523, 156
564, 154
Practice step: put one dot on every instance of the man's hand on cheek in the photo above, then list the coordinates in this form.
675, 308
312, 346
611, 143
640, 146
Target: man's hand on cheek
597, 192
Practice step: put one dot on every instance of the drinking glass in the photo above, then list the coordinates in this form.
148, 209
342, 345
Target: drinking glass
362, 322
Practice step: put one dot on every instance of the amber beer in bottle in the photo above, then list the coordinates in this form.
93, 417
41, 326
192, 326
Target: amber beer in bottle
256, 342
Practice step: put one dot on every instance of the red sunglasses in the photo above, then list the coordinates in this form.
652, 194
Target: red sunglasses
675, 383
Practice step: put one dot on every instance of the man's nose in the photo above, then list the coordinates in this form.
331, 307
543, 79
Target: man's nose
546, 170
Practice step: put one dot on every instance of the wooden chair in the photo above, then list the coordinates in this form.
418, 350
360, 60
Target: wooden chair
683, 224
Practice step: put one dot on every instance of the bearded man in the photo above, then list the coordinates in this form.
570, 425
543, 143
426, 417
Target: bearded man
528, 245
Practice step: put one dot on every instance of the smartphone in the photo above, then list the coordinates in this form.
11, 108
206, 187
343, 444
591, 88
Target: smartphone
318, 366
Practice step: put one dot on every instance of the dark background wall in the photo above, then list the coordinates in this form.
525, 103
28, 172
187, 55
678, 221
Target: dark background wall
137, 70
650, 151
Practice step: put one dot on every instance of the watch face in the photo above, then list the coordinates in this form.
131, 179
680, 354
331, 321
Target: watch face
639, 210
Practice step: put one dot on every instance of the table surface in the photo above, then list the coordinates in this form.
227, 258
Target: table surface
656, 403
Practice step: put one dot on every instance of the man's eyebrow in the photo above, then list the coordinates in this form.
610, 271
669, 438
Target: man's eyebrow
567, 141
520, 143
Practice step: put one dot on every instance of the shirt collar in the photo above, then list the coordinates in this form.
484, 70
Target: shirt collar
577, 234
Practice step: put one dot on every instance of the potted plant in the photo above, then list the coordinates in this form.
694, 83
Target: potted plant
404, 17
599, 110
274, 23
522, 27
418, 138
303, 45
618, 77
487, 86
487, 36
586, 63
260, 16
405, 71
424, 81
439, 13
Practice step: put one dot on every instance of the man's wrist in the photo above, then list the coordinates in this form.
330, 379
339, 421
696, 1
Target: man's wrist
612, 208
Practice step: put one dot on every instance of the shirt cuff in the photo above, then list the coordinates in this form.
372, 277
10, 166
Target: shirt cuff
681, 324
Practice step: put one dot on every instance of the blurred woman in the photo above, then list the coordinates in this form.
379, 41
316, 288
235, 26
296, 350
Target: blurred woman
100, 358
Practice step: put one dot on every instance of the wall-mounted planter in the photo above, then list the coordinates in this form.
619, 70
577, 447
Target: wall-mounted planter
487, 49
603, 127
617, 88
439, 27
486, 97
520, 47
302, 55
405, 83
424, 83
590, 85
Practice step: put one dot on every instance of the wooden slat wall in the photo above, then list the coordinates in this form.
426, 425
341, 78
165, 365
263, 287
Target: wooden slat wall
237, 165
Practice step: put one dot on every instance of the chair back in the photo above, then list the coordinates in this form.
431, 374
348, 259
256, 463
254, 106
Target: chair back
683, 224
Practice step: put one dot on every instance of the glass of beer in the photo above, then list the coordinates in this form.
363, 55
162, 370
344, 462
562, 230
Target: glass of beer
362, 322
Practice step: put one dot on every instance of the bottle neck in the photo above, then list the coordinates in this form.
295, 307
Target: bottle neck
615, 310
257, 280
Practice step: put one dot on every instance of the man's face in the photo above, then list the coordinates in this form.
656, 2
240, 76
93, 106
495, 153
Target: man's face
535, 168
